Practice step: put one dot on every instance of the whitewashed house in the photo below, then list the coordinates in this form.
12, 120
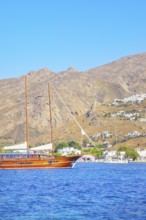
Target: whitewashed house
142, 154
69, 150
106, 134
109, 155
107, 144
134, 134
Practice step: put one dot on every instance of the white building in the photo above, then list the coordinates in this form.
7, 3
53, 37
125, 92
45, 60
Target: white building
106, 134
134, 134
134, 98
69, 150
143, 119
109, 155
142, 154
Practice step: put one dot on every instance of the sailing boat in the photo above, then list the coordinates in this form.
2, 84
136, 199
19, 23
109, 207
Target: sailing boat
31, 160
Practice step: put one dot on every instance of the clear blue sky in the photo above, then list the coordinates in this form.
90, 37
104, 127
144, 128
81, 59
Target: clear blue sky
61, 33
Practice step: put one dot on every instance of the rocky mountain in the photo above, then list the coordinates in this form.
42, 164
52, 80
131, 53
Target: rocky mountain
83, 93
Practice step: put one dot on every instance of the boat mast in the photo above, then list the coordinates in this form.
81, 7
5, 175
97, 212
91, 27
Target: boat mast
51, 127
26, 111
116, 142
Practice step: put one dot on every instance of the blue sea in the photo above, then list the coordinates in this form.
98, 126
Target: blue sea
95, 191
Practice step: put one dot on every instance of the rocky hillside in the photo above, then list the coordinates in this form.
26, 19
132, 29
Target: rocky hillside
83, 92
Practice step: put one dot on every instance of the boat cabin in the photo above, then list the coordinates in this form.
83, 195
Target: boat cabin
21, 155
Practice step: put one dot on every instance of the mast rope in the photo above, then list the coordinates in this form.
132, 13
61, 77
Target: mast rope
82, 131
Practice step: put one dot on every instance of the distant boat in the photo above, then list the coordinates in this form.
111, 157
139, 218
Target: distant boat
30, 160
115, 161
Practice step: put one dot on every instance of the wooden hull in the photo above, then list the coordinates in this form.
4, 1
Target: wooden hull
38, 163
